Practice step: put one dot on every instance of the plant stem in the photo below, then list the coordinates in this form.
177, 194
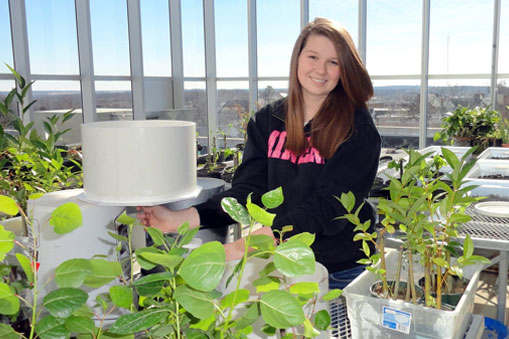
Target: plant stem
398, 273
411, 281
383, 266
239, 278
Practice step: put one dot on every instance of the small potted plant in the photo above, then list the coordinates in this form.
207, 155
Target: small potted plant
468, 127
503, 132
425, 212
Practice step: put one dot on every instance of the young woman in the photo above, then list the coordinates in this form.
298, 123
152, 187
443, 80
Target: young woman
318, 142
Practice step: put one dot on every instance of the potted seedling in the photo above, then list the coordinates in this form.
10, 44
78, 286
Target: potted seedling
468, 127
425, 212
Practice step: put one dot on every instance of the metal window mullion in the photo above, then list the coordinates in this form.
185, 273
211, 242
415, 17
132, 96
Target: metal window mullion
494, 53
21, 55
252, 58
177, 59
210, 68
362, 26
86, 61
304, 13
136, 59
423, 107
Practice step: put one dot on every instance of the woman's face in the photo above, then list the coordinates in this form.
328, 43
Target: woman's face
318, 68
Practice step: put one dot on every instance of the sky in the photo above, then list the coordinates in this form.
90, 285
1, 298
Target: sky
460, 36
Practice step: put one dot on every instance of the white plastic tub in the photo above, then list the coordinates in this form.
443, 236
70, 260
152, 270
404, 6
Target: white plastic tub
365, 311
495, 153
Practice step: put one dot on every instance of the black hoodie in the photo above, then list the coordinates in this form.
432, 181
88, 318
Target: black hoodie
309, 184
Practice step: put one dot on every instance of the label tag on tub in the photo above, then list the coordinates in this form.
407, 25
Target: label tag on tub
396, 320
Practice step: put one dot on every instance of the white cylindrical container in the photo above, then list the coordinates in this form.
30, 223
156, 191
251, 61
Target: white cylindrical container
145, 162
86, 241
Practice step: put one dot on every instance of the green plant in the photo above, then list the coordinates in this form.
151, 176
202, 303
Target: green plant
427, 212
503, 130
464, 122
14, 293
183, 300
180, 302
30, 163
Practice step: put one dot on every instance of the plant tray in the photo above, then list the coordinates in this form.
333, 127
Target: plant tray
365, 312
495, 153
488, 172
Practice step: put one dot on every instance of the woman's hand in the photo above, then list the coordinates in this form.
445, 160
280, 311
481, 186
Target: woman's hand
165, 219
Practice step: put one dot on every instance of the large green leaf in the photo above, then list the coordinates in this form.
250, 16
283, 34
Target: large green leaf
235, 210
9, 303
251, 314
151, 284
156, 235
145, 264
66, 218
7, 332
8, 205
103, 271
6, 242
293, 258
80, 325
164, 259
273, 199
304, 287
322, 320
125, 219
281, 310
122, 296
139, 321
51, 327
63, 301
204, 267
198, 303
234, 298
260, 215
72, 273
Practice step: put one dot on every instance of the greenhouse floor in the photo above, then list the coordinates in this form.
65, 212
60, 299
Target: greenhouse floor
486, 296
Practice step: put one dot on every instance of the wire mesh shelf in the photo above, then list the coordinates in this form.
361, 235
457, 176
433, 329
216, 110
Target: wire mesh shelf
339, 318
485, 227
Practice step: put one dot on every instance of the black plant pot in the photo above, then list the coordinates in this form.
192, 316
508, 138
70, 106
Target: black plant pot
451, 298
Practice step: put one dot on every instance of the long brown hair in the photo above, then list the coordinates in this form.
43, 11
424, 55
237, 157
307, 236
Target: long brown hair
333, 123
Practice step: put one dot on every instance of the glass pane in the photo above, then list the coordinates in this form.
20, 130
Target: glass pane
56, 98
395, 110
460, 36
394, 37
195, 97
192, 38
155, 30
232, 111
278, 27
231, 38
52, 39
113, 100
5, 87
110, 39
270, 91
503, 54
446, 95
346, 12
5, 36
503, 97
